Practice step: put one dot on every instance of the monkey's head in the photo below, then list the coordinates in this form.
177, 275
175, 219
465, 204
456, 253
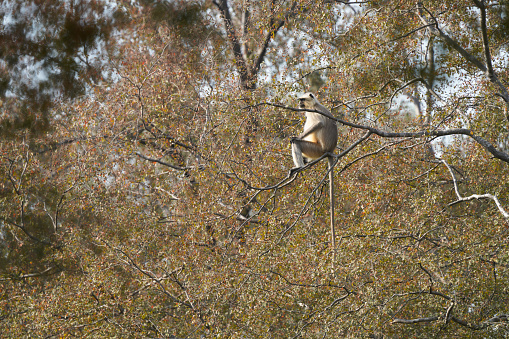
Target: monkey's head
307, 100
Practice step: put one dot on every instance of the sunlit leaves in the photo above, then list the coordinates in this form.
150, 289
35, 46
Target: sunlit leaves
158, 206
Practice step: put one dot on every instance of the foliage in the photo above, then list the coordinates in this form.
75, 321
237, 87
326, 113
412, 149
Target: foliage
160, 203
52, 49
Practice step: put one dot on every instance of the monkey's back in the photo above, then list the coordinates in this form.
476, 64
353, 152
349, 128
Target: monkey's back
326, 137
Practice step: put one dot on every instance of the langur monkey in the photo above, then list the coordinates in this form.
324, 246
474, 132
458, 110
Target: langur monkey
320, 133
320, 136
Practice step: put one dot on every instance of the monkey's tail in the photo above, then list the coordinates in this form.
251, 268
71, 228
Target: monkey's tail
331, 211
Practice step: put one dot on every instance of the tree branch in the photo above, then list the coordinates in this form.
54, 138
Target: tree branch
22, 227
415, 321
487, 54
245, 24
420, 134
241, 50
161, 162
461, 322
241, 63
469, 325
473, 196
149, 274
269, 36
28, 275
488, 70
292, 174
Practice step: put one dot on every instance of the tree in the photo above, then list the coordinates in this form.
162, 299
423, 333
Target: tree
52, 50
161, 205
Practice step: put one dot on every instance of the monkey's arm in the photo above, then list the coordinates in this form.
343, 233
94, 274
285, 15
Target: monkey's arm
310, 130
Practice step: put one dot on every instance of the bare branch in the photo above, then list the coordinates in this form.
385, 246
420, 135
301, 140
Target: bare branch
488, 70
420, 134
474, 196
428, 273
461, 322
29, 275
435, 29
241, 63
148, 274
469, 325
448, 312
161, 162
415, 321
487, 54
240, 49
22, 227
432, 292
349, 149
411, 32
245, 24
270, 35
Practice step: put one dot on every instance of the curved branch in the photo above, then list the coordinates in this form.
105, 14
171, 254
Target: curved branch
473, 196
420, 134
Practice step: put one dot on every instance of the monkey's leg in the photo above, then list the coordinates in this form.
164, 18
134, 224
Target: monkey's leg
303, 148
310, 150
297, 153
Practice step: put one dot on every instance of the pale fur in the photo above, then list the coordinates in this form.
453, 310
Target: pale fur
320, 133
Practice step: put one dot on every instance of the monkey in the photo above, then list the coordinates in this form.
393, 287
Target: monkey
320, 133
320, 136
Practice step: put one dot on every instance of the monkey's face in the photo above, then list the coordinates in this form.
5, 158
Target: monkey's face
307, 101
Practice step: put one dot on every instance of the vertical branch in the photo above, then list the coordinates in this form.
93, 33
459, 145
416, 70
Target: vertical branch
240, 62
430, 61
490, 72
17, 184
487, 54
427, 17
245, 24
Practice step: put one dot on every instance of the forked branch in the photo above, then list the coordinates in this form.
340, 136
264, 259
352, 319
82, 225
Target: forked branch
473, 196
427, 17
249, 70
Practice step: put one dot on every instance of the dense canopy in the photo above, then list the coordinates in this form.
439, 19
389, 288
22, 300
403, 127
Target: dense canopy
144, 169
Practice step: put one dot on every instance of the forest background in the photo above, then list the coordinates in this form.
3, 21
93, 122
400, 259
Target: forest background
144, 154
